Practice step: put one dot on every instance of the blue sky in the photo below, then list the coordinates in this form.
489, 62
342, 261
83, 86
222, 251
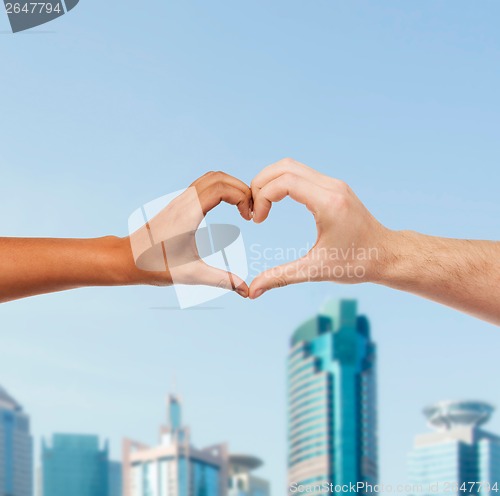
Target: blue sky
110, 107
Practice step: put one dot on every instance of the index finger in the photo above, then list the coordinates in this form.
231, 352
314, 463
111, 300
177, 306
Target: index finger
212, 185
299, 189
287, 165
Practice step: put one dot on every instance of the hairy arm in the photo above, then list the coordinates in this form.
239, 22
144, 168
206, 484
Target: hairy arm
462, 274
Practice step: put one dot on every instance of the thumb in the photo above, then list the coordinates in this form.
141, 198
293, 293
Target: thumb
211, 276
277, 277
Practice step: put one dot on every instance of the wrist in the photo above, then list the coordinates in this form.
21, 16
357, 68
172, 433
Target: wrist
130, 274
394, 258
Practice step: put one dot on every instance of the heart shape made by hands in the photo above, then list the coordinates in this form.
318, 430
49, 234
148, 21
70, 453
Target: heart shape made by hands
347, 234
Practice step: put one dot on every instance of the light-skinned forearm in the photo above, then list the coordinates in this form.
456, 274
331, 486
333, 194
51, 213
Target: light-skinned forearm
31, 266
462, 274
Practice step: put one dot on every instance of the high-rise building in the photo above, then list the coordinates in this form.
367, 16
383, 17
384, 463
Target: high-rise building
458, 453
176, 468
75, 465
115, 479
16, 448
242, 482
332, 427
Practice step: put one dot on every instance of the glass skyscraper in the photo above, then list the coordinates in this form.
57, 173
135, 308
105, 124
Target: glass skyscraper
115, 479
75, 465
332, 427
16, 449
459, 452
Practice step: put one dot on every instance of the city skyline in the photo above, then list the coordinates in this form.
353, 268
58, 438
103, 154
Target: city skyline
77, 464
334, 348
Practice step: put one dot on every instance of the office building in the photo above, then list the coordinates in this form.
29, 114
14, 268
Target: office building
460, 451
332, 426
74, 464
176, 468
242, 481
16, 448
115, 479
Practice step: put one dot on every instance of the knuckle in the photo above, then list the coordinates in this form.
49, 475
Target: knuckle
218, 175
215, 176
287, 161
339, 195
341, 186
339, 201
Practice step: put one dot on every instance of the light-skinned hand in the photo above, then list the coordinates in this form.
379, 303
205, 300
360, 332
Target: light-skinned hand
349, 237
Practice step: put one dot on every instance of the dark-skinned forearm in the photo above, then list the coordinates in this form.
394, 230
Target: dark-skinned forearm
30, 266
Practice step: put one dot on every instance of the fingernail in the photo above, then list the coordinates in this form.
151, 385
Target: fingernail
258, 293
